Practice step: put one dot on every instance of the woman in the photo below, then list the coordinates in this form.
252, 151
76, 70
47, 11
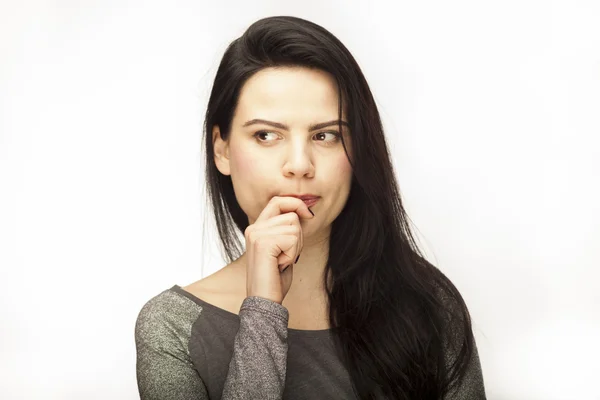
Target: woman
331, 298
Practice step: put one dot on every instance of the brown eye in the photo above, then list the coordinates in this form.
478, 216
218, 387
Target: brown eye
260, 133
335, 134
259, 136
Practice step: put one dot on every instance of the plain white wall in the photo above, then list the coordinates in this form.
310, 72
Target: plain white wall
491, 112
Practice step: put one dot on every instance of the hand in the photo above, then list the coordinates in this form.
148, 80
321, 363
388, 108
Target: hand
273, 242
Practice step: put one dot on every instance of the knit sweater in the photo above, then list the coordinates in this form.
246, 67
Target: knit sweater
190, 349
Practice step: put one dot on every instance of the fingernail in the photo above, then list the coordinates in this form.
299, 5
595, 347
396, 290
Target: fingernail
311, 212
297, 258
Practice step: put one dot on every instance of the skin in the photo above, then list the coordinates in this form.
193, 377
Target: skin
284, 161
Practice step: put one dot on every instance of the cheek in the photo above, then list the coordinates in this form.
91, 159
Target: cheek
346, 173
249, 175
343, 168
249, 166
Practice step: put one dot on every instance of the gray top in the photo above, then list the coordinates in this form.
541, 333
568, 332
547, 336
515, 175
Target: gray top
190, 349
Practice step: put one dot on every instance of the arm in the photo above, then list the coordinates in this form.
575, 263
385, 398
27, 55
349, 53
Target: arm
471, 387
164, 369
258, 366
458, 338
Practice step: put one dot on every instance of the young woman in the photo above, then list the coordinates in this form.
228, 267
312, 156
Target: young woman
330, 297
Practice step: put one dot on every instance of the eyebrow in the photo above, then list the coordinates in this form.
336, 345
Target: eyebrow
287, 128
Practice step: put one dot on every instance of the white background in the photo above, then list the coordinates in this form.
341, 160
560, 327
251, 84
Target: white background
491, 110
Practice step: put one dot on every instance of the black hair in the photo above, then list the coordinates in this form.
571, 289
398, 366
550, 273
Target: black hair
401, 327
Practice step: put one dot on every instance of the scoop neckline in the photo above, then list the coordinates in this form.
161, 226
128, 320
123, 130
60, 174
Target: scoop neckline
235, 317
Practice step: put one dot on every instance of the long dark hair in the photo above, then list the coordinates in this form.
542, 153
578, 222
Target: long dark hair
401, 327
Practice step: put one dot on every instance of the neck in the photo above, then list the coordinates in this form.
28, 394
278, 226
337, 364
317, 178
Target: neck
307, 279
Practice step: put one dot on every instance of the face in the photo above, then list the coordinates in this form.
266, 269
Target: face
265, 160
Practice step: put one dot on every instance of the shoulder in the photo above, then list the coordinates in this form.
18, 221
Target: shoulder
464, 373
446, 293
169, 314
164, 366
452, 318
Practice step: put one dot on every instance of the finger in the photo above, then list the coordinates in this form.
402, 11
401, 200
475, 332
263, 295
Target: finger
300, 245
287, 270
289, 218
285, 240
286, 248
279, 205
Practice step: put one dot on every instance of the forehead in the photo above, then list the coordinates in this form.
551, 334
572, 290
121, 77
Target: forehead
289, 93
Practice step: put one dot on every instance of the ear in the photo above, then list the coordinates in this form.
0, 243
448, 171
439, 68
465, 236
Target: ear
221, 149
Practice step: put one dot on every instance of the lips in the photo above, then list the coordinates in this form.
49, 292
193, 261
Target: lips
308, 199
311, 202
302, 196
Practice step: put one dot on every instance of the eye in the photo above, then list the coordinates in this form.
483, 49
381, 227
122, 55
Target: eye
257, 134
336, 137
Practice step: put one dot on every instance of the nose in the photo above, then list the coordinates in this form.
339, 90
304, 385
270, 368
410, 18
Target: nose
298, 160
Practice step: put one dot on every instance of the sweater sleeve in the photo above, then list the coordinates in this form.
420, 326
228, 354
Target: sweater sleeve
162, 333
470, 386
165, 371
258, 365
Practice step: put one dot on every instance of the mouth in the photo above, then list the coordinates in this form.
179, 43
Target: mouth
308, 199
311, 202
